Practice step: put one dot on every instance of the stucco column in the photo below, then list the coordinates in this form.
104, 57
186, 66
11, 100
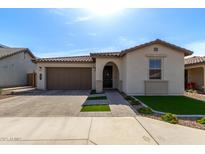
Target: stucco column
120, 85
41, 77
93, 78
99, 87
99, 82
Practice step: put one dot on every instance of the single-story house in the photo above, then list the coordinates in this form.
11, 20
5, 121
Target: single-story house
153, 68
195, 71
15, 63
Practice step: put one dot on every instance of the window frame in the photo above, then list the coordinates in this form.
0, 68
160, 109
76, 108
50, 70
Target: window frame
160, 69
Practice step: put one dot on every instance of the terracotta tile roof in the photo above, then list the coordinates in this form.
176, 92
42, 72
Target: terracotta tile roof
105, 54
7, 52
66, 59
92, 56
158, 41
195, 60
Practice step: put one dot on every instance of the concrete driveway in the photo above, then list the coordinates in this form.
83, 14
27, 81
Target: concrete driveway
95, 130
53, 117
43, 104
60, 103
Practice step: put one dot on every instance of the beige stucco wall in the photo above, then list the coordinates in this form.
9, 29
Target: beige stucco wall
133, 71
14, 69
41, 68
136, 69
196, 74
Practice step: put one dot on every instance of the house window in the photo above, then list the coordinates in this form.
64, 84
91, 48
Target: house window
40, 76
155, 71
156, 49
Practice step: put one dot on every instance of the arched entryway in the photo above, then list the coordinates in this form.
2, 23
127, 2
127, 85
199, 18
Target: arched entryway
110, 76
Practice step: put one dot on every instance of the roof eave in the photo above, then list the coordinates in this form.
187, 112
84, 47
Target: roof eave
59, 61
193, 64
158, 41
30, 53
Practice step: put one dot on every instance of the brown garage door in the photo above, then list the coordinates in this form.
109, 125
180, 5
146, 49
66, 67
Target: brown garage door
69, 78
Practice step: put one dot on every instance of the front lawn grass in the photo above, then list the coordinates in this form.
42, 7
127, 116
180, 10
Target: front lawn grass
96, 97
95, 108
174, 104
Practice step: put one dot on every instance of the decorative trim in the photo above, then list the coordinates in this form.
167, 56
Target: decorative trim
156, 55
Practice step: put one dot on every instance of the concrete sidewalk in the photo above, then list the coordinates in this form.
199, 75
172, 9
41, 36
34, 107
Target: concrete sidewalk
95, 130
118, 105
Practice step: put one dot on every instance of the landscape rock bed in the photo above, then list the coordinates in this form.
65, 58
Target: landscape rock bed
196, 95
184, 122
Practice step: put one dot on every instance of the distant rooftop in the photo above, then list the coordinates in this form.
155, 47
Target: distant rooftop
195, 60
7, 52
3, 46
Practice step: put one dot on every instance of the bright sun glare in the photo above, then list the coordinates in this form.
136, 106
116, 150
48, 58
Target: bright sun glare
103, 11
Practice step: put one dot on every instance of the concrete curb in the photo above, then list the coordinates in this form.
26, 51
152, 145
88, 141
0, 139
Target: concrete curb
162, 113
9, 98
194, 97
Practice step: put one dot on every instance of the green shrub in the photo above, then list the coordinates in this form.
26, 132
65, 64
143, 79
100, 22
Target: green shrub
132, 101
128, 98
170, 118
0, 91
93, 92
145, 110
201, 120
191, 91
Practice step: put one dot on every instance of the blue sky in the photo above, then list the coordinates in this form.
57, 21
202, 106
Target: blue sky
68, 32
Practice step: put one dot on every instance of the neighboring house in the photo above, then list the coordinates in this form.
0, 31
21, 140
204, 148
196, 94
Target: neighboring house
154, 68
15, 63
195, 71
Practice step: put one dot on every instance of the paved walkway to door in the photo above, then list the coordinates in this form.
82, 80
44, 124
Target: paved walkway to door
118, 105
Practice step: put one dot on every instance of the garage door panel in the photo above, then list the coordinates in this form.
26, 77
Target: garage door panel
69, 78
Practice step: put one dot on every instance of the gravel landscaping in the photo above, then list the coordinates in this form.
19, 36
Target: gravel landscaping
200, 96
190, 122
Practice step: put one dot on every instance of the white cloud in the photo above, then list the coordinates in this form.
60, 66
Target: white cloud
75, 52
197, 47
70, 44
59, 11
106, 49
92, 34
83, 18
72, 52
126, 42
52, 54
71, 19
79, 19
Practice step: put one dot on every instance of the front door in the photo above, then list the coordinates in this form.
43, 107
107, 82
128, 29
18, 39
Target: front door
107, 77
